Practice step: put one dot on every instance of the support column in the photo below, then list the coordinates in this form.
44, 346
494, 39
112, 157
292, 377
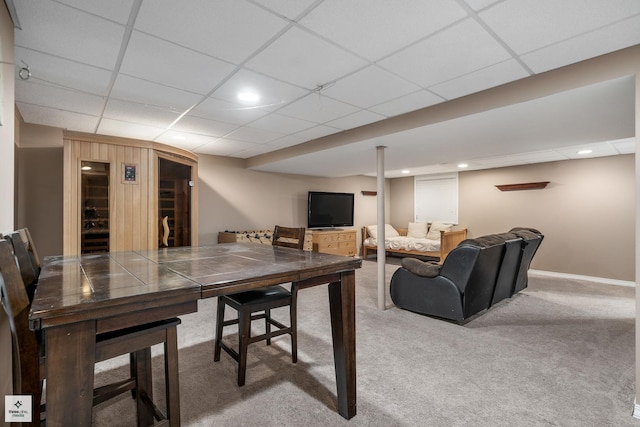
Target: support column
382, 257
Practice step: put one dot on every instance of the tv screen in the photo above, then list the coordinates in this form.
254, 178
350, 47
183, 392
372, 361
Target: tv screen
327, 209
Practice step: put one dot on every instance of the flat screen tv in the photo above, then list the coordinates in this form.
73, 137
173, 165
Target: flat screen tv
328, 210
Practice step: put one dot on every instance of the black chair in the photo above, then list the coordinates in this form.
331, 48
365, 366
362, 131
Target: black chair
29, 353
260, 301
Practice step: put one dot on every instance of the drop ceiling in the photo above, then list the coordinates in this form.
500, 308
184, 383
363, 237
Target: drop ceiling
170, 72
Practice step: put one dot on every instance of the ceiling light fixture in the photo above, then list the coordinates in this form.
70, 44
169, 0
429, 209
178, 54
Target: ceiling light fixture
463, 165
406, 171
585, 151
248, 96
86, 168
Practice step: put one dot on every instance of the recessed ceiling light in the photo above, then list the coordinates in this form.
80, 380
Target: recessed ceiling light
180, 137
248, 96
585, 151
463, 165
406, 171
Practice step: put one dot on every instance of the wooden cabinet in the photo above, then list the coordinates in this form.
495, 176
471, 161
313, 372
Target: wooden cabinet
337, 242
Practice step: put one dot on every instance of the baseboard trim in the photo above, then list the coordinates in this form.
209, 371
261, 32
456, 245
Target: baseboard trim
581, 277
636, 410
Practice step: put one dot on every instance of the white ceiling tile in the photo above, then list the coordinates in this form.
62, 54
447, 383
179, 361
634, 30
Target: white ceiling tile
413, 101
162, 62
454, 52
317, 132
287, 141
55, 71
138, 113
257, 136
317, 108
596, 150
283, 124
68, 33
57, 118
359, 118
585, 46
304, 60
625, 146
227, 112
54, 97
254, 150
115, 10
273, 93
127, 88
481, 4
376, 28
515, 21
494, 75
128, 130
202, 126
369, 86
227, 30
291, 9
224, 147
185, 140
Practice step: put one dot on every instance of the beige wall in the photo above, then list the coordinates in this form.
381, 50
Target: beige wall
235, 198
7, 139
586, 213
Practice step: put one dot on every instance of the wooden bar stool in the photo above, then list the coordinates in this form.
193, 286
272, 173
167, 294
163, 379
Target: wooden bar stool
260, 301
29, 353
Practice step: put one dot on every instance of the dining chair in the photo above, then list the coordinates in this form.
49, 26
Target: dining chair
260, 301
29, 352
27, 258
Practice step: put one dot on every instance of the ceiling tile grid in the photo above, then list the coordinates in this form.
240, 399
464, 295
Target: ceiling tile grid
171, 71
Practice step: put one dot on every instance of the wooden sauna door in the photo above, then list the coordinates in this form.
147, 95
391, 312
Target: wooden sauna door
174, 203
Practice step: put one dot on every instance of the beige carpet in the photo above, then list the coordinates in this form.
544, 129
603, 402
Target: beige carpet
561, 353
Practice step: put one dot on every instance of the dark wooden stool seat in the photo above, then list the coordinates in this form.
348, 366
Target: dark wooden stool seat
246, 304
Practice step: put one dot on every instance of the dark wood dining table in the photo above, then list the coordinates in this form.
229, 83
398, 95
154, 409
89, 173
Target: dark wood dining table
78, 297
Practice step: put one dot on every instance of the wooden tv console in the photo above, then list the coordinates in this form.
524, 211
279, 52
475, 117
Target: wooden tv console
337, 242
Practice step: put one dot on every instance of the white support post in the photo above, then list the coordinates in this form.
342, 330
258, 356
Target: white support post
381, 259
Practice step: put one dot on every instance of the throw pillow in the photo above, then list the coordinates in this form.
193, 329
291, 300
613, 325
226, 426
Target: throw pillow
417, 230
389, 231
436, 227
421, 268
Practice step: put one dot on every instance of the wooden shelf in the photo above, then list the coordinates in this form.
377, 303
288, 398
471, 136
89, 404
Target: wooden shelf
524, 186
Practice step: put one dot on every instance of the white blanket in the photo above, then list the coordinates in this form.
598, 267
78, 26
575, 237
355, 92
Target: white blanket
407, 244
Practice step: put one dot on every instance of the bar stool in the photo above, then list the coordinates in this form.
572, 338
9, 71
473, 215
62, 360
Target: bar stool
260, 301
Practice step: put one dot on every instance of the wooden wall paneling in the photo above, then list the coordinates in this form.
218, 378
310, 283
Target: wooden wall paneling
133, 208
194, 205
152, 199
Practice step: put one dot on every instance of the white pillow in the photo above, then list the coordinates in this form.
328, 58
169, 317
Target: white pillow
389, 231
417, 230
434, 230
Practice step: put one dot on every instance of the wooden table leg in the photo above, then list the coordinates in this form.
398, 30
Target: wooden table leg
144, 392
70, 363
343, 328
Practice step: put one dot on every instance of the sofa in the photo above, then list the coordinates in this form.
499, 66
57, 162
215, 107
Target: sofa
475, 275
434, 239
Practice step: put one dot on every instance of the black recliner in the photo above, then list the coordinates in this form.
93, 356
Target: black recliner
475, 275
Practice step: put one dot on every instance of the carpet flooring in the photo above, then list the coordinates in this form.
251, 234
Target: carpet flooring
561, 353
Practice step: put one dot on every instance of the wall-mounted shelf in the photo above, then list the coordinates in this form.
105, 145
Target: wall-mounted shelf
369, 193
524, 186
